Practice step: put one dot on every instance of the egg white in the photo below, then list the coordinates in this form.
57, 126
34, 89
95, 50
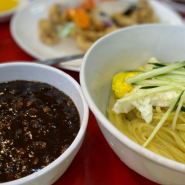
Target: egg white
145, 104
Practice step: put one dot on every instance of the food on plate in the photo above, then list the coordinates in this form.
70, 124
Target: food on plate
87, 22
38, 123
8, 5
179, 1
148, 106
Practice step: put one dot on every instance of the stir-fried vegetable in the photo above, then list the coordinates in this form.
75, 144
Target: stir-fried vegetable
65, 30
79, 17
88, 5
92, 20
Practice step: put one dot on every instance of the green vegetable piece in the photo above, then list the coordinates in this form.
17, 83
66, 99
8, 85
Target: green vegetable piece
155, 72
181, 100
158, 64
183, 108
139, 70
148, 87
169, 111
152, 82
66, 30
177, 73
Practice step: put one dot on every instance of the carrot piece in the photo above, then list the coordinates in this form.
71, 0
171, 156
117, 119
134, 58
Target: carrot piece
87, 5
79, 17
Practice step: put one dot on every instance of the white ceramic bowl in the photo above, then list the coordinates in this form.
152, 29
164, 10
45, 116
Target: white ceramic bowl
128, 49
6, 15
65, 83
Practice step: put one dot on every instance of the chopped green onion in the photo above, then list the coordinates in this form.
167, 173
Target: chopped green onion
152, 82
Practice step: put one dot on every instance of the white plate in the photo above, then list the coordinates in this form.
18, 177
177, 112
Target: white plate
24, 31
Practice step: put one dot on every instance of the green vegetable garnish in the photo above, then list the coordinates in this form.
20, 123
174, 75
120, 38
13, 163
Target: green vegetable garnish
65, 30
183, 108
169, 111
155, 72
179, 103
158, 64
148, 87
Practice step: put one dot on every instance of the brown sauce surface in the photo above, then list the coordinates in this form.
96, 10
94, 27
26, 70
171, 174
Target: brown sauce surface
37, 124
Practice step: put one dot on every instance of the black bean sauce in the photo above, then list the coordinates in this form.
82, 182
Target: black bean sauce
37, 124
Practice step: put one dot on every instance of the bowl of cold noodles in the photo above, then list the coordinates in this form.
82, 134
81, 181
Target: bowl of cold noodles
43, 119
133, 81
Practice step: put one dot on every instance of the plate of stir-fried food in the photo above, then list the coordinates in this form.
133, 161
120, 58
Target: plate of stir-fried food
55, 28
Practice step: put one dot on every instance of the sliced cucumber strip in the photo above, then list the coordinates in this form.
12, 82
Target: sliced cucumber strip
148, 87
169, 111
155, 72
181, 100
152, 82
158, 64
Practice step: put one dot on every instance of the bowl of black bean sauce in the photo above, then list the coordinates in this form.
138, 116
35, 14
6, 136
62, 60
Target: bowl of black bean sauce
43, 119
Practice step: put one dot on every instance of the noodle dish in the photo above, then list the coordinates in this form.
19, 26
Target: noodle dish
147, 105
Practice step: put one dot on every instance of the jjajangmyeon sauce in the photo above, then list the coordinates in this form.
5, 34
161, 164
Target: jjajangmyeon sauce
37, 124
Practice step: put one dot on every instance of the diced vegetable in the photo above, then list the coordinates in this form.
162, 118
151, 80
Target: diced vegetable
88, 5
79, 17
65, 30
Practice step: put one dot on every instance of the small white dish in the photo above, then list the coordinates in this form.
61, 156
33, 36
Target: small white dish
6, 15
24, 30
64, 82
